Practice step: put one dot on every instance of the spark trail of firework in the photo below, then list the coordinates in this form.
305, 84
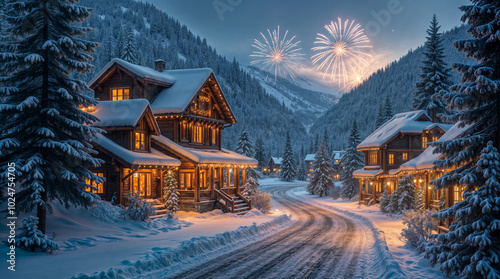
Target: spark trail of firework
341, 54
278, 54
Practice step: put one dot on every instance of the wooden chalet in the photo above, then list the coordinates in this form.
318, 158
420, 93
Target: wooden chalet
309, 161
399, 140
337, 160
185, 112
273, 166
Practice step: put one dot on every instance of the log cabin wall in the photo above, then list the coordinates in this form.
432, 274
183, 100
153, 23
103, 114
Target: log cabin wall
111, 173
118, 79
121, 137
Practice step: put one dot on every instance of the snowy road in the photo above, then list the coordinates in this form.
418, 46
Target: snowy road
319, 244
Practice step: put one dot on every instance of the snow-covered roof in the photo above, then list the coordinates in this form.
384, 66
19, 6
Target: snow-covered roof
413, 122
426, 160
277, 160
338, 155
143, 72
176, 98
367, 173
155, 158
206, 156
310, 157
124, 113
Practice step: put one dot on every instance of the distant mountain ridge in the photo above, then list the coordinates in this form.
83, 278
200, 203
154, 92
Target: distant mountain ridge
396, 80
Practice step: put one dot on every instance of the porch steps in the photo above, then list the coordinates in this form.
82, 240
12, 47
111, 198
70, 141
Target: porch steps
240, 206
160, 212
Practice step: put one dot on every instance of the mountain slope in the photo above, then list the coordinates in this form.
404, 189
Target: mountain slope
396, 81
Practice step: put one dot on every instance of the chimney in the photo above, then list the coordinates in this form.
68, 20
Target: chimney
160, 65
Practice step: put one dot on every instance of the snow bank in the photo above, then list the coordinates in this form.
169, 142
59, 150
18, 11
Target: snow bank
193, 248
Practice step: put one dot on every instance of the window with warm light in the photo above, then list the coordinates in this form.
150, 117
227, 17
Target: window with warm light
185, 180
405, 155
458, 193
141, 182
197, 134
184, 131
118, 94
214, 136
424, 141
140, 141
391, 158
336, 161
434, 138
372, 158
99, 186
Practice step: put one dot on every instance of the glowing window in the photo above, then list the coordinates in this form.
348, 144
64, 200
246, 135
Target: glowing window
434, 138
100, 186
372, 158
141, 182
198, 134
140, 141
391, 158
120, 94
424, 141
405, 155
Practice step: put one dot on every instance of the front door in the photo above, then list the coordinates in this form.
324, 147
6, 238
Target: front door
141, 182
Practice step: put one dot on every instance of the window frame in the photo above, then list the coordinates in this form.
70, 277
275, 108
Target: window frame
372, 158
122, 95
404, 156
424, 141
391, 159
100, 186
142, 141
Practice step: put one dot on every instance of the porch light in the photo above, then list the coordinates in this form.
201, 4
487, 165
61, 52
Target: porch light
414, 181
420, 180
388, 183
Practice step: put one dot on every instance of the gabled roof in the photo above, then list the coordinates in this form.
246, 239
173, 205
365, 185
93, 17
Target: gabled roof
145, 73
413, 122
367, 173
124, 113
310, 157
134, 159
277, 160
425, 161
338, 155
205, 156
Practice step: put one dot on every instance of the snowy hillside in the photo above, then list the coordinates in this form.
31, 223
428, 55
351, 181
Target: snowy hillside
396, 81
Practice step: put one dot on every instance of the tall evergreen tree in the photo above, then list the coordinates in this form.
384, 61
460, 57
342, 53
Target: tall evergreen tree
245, 146
129, 52
321, 179
434, 76
170, 193
380, 116
326, 139
352, 161
388, 112
467, 248
406, 190
43, 131
302, 171
260, 154
288, 163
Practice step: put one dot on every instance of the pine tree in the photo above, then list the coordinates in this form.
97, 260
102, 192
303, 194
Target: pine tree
380, 117
353, 160
32, 239
245, 146
385, 201
260, 153
129, 52
420, 199
321, 177
288, 163
250, 187
302, 171
471, 248
170, 193
406, 190
43, 131
326, 139
388, 112
434, 76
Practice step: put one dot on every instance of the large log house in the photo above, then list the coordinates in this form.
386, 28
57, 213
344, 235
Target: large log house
399, 140
160, 119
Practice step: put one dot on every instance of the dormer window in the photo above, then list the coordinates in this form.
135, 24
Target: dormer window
118, 94
140, 141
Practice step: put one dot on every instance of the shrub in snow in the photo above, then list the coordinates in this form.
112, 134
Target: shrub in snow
170, 193
262, 201
385, 201
406, 194
472, 247
115, 200
106, 211
250, 187
32, 239
419, 199
419, 226
138, 209
335, 192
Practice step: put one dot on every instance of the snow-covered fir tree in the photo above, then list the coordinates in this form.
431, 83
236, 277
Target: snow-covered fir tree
245, 146
352, 161
129, 52
321, 179
380, 116
302, 171
434, 76
288, 164
250, 187
388, 110
406, 193
393, 206
43, 130
260, 153
385, 201
170, 193
32, 239
471, 249
420, 199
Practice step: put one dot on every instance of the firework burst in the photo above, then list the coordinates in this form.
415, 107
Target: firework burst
342, 54
281, 55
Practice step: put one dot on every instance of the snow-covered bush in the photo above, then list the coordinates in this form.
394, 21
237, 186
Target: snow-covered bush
262, 201
138, 209
170, 193
106, 211
335, 192
115, 200
393, 206
419, 228
250, 187
32, 239
385, 201
406, 194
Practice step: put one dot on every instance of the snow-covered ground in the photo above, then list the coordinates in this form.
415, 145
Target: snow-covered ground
100, 240
412, 264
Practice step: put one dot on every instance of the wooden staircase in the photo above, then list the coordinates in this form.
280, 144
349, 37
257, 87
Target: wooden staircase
237, 204
160, 212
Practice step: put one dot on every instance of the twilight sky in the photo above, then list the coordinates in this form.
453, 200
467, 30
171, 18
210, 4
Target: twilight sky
393, 26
